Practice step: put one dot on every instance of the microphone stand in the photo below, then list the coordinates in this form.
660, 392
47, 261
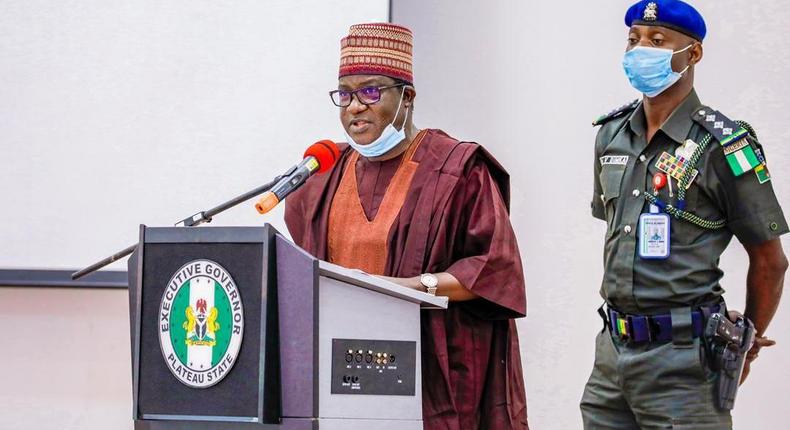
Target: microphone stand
192, 221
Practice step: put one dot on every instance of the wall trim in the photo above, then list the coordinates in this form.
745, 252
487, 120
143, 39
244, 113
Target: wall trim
51, 278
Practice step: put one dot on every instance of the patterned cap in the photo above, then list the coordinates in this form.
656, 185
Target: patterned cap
674, 14
377, 49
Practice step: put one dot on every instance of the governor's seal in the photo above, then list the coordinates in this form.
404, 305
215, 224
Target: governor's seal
201, 323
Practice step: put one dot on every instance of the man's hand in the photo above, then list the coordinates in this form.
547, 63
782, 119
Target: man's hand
448, 286
413, 282
759, 342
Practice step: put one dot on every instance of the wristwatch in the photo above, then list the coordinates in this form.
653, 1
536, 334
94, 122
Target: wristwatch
430, 282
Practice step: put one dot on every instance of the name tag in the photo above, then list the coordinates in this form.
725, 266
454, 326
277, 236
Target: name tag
654, 232
620, 160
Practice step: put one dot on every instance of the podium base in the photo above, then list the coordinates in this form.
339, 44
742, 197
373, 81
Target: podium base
287, 424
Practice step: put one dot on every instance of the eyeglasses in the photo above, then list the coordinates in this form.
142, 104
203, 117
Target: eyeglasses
365, 95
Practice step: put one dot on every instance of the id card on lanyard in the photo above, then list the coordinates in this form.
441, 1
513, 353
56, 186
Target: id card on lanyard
654, 236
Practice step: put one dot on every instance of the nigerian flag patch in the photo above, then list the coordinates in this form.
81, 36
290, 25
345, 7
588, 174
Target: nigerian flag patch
743, 160
201, 323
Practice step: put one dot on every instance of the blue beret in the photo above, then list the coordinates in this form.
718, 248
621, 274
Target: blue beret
673, 14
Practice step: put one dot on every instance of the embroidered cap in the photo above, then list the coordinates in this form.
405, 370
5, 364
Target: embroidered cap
377, 49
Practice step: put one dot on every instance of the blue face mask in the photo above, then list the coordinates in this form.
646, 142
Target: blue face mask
389, 138
650, 69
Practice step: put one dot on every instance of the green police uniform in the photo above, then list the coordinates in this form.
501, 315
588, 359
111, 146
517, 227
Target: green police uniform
669, 384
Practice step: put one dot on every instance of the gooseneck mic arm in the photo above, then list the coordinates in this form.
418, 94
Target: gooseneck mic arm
206, 216
193, 221
319, 157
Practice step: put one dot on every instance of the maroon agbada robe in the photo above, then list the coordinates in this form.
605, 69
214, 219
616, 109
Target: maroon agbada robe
455, 219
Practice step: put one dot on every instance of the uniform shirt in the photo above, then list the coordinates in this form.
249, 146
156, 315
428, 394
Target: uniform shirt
624, 168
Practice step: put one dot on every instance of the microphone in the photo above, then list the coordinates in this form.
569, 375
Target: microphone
319, 157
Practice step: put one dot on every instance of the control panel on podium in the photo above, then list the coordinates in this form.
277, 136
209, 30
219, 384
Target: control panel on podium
238, 328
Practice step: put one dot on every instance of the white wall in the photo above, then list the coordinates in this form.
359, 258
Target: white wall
114, 114
526, 78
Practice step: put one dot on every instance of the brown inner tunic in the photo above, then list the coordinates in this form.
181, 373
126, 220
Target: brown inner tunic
356, 238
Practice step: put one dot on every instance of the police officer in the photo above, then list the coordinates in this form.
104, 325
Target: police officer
674, 181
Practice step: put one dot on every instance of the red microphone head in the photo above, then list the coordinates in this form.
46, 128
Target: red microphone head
325, 152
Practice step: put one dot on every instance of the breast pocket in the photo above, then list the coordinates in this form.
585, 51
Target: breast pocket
611, 178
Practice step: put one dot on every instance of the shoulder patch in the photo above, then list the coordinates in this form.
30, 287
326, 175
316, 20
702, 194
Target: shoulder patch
622, 110
739, 151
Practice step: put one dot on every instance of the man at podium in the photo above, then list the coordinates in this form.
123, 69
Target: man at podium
428, 212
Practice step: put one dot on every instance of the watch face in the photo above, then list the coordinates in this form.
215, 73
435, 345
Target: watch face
429, 281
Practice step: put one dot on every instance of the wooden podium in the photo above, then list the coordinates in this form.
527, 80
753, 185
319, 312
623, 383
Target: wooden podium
238, 328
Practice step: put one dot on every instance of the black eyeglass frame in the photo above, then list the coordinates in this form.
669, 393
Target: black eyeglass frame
354, 94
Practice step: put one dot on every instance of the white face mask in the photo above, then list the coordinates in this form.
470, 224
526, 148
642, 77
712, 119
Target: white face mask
388, 139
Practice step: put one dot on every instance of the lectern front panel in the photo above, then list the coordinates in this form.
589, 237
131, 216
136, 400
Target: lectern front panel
180, 375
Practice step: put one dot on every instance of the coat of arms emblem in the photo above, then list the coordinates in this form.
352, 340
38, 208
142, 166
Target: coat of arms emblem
651, 12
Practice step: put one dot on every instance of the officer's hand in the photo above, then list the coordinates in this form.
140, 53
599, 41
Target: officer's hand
734, 315
759, 342
746, 369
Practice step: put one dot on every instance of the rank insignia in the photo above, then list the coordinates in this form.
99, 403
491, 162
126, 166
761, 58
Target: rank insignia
622, 110
732, 138
651, 12
675, 167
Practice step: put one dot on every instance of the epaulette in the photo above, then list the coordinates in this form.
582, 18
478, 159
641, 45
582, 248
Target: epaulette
741, 154
622, 110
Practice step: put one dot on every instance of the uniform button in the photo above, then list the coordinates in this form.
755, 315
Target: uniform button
627, 229
642, 158
636, 193
602, 199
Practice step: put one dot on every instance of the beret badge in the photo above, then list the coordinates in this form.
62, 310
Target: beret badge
651, 12
674, 14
